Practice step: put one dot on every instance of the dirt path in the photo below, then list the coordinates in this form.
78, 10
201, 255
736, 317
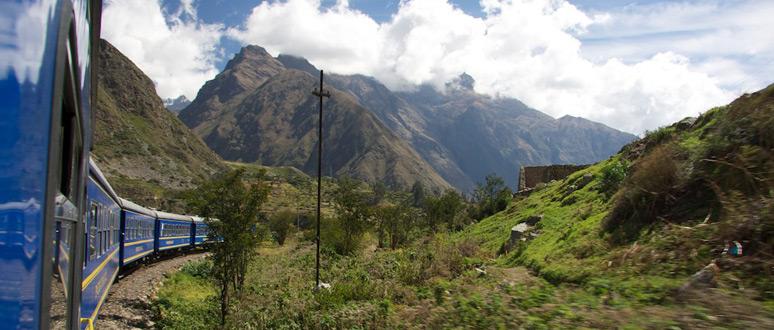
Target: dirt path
128, 305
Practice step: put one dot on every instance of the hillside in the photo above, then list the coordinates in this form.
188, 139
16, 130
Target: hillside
145, 151
646, 228
270, 118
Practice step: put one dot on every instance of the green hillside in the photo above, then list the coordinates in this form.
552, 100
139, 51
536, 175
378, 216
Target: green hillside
639, 225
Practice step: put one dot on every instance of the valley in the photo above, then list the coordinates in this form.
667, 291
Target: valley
418, 233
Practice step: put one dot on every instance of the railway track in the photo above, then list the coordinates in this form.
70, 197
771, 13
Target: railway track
128, 305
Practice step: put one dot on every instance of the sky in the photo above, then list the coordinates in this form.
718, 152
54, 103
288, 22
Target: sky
632, 65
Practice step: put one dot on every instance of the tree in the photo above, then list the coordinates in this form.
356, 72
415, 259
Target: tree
418, 194
491, 197
396, 222
353, 213
280, 225
230, 207
448, 209
379, 193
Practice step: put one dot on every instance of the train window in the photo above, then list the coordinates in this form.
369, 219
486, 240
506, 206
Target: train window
93, 232
100, 237
70, 140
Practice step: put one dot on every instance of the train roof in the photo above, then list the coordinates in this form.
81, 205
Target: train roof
173, 216
96, 173
131, 206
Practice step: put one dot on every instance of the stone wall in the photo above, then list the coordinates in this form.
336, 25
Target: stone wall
531, 176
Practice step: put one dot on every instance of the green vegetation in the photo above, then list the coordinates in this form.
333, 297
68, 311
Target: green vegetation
615, 245
491, 197
230, 208
280, 225
187, 299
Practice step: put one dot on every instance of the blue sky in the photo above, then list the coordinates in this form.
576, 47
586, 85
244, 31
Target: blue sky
633, 65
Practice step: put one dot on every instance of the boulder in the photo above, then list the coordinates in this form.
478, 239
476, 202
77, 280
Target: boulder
705, 278
517, 232
686, 123
584, 180
533, 220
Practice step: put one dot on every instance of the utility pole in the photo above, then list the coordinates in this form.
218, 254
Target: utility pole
321, 93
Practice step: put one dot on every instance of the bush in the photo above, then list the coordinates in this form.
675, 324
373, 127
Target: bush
198, 268
612, 176
280, 225
644, 194
335, 238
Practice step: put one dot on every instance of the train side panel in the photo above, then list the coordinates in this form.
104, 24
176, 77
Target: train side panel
138, 232
174, 234
102, 250
201, 232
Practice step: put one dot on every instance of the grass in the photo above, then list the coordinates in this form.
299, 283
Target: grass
186, 301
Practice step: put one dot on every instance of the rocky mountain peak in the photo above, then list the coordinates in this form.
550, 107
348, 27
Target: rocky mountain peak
177, 104
298, 63
463, 82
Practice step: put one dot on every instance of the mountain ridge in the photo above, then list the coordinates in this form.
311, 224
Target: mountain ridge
463, 136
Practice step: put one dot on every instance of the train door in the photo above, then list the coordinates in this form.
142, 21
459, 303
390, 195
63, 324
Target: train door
67, 171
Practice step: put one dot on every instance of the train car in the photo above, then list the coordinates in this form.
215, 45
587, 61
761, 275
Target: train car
45, 136
138, 225
201, 232
103, 244
173, 231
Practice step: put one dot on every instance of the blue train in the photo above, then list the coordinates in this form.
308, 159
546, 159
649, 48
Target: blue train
64, 232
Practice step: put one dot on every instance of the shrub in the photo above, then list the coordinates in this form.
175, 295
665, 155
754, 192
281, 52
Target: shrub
612, 176
644, 194
280, 225
198, 268
335, 238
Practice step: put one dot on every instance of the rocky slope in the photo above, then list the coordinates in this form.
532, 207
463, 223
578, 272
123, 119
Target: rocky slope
143, 148
257, 110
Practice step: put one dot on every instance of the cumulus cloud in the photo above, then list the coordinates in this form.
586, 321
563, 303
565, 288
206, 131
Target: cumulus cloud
177, 51
528, 49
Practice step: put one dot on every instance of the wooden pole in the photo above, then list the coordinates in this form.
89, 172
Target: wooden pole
321, 93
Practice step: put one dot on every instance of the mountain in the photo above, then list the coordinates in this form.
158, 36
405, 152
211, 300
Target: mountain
461, 135
258, 110
142, 148
176, 105
465, 135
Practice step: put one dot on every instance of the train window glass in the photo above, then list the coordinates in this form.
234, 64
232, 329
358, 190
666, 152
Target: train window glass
93, 232
101, 237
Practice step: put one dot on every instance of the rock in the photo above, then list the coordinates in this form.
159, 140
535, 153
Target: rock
480, 272
324, 285
704, 278
686, 123
518, 231
531, 221
584, 180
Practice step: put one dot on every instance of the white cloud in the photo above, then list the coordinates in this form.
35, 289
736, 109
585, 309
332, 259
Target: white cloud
177, 52
528, 49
